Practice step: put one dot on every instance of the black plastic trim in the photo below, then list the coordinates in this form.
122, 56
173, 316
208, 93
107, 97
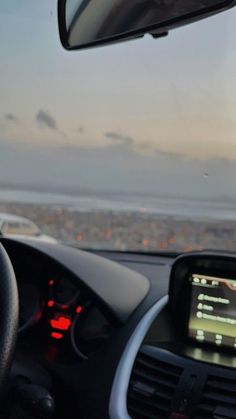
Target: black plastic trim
120, 289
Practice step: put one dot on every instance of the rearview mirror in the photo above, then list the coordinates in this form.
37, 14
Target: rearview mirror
86, 23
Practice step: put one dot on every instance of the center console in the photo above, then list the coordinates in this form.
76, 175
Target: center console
185, 367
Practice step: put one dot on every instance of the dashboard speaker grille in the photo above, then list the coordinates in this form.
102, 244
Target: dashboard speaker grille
218, 398
152, 387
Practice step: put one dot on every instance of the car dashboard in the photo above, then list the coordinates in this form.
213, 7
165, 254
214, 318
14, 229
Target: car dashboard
119, 335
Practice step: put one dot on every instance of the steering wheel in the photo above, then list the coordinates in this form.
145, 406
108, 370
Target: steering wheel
9, 312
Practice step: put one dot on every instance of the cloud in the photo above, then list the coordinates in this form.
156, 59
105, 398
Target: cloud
124, 139
144, 148
11, 117
45, 120
151, 150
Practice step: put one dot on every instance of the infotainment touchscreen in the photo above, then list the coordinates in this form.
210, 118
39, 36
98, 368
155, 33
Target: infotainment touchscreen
212, 311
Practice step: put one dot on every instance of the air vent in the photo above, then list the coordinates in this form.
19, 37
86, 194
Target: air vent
152, 387
218, 399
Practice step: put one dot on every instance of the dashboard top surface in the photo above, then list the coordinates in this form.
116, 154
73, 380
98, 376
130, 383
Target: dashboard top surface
119, 288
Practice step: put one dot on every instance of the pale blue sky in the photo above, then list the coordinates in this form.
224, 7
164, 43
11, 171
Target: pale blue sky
172, 95
177, 93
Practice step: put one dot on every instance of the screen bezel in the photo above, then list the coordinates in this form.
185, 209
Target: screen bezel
228, 347
180, 287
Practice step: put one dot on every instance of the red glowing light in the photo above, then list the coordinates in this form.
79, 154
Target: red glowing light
51, 282
51, 303
62, 323
79, 309
56, 335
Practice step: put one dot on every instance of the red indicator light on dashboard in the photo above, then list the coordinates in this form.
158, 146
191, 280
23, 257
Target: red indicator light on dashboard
62, 323
79, 309
51, 303
51, 282
56, 335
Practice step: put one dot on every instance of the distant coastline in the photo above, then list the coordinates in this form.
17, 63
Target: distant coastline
85, 201
90, 223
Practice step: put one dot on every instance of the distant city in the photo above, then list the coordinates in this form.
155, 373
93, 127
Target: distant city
137, 230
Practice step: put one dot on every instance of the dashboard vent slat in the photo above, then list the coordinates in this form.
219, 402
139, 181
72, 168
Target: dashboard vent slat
150, 377
218, 393
158, 367
152, 388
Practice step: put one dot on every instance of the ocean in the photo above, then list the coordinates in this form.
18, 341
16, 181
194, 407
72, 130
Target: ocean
165, 206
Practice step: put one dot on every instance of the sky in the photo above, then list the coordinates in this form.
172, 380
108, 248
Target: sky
149, 115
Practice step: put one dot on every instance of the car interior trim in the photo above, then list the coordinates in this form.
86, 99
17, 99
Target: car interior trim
118, 399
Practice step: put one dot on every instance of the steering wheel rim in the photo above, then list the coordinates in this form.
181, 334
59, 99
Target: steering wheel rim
9, 314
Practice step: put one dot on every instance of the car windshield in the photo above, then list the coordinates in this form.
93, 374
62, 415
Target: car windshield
125, 147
